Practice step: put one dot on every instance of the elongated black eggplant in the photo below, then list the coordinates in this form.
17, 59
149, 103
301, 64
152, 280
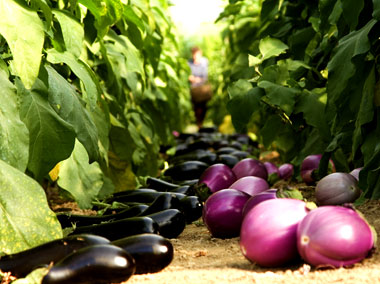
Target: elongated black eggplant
225, 150
22, 263
192, 208
186, 170
205, 156
68, 220
240, 154
151, 252
160, 185
162, 202
140, 197
134, 191
200, 143
228, 159
171, 222
121, 228
184, 189
98, 264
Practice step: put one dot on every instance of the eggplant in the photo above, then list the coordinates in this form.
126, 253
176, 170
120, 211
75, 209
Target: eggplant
228, 159
98, 264
201, 143
121, 228
186, 170
225, 150
184, 189
192, 208
22, 263
140, 197
171, 222
205, 156
151, 252
67, 220
240, 154
134, 191
162, 202
160, 185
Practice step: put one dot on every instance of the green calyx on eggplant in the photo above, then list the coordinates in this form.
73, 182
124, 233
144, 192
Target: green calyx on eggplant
99, 264
121, 228
151, 252
22, 263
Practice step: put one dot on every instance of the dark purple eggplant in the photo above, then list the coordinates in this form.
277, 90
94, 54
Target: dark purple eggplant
151, 252
225, 150
201, 143
98, 264
171, 222
205, 156
192, 208
68, 220
186, 170
22, 263
184, 189
228, 159
162, 202
240, 154
160, 185
137, 196
121, 228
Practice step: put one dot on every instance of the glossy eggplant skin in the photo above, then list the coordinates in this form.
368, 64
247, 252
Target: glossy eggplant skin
160, 185
186, 170
67, 220
22, 263
162, 202
121, 228
151, 252
228, 159
171, 222
98, 264
192, 208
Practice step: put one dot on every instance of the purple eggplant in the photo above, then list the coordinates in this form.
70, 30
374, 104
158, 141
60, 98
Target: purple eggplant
310, 164
222, 212
337, 189
286, 171
258, 198
268, 233
334, 236
250, 167
273, 172
355, 173
250, 184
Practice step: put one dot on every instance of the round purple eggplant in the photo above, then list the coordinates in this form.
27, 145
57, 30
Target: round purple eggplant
250, 184
250, 167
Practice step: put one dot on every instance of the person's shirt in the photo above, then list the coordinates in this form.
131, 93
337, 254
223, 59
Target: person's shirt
199, 70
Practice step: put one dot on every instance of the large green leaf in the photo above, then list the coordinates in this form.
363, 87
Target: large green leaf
82, 179
12, 128
106, 12
64, 99
376, 9
82, 70
72, 31
341, 68
25, 218
244, 101
51, 138
283, 97
270, 47
23, 31
352, 14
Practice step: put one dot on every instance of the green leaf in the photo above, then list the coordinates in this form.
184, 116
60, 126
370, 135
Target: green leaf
82, 70
65, 101
376, 9
23, 31
106, 12
51, 138
283, 97
271, 129
35, 277
341, 68
244, 102
81, 179
72, 31
271, 47
352, 15
313, 112
12, 129
25, 217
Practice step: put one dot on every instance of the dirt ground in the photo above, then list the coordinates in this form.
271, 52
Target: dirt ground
200, 258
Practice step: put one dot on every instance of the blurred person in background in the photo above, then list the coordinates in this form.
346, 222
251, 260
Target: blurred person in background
200, 88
